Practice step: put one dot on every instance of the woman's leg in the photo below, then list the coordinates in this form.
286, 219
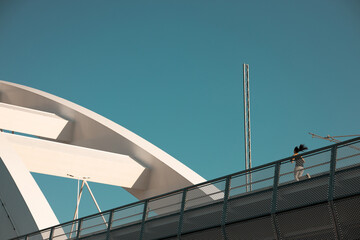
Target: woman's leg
298, 172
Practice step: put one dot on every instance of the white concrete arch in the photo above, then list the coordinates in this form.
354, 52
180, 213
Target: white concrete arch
68, 136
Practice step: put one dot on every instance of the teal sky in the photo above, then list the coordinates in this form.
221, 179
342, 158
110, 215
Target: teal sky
171, 72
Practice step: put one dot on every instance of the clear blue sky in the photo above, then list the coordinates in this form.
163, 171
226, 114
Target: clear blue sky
171, 71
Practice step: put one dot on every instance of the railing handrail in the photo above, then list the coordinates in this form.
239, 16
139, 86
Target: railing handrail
252, 170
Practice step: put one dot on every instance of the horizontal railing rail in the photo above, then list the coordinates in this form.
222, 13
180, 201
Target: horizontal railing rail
204, 193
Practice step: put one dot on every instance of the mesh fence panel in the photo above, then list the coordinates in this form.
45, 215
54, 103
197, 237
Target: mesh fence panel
128, 215
286, 173
238, 185
207, 234
126, 222
313, 222
159, 224
260, 228
131, 232
66, 231
249, 206
203, 208
347, 183
301, 194
205, 194
315, 165
164, 205
97, 236
95, 224
348, 156
202, 218
308, 191
161, 227
243, 205
43, 235
347, 177
347, 213
260, 179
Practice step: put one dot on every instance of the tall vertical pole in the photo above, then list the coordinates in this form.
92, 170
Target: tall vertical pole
247, 127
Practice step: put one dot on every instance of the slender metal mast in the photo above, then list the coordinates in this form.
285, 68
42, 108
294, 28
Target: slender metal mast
247, 127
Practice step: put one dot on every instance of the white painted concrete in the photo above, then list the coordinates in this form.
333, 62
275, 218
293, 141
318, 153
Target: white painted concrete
22, 197
29, 121
99, 148
70, 161
163, 172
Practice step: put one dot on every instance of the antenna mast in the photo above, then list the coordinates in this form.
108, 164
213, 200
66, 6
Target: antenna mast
247, 131
333, 138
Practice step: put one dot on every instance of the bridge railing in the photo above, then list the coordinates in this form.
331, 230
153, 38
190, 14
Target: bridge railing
272, 188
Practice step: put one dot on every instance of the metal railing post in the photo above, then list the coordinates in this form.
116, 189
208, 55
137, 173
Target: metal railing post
51, 233
143, 219
109, 224
225, 205
332, 173
181, 219
274, 200
79, 229
331, 190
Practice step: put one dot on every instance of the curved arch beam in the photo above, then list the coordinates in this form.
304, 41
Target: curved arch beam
65, 128
90, 130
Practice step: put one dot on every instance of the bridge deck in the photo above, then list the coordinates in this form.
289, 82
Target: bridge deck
326, 206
